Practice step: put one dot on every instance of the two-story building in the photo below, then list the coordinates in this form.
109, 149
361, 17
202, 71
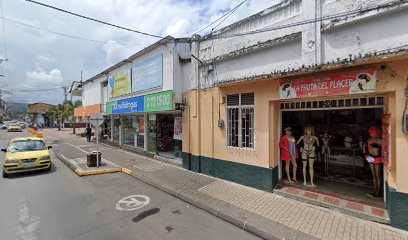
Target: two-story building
141, 99
336, 67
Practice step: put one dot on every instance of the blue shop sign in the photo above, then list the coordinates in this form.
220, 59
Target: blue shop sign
129, 105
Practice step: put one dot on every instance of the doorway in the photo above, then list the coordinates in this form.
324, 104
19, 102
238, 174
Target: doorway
345, 172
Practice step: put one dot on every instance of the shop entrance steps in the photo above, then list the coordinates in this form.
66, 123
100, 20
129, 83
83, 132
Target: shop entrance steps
359, 209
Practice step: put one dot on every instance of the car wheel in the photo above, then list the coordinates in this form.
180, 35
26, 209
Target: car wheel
49, 168
5, 175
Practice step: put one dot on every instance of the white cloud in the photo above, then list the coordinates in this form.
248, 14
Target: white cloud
179, 29
46, 58
114, 52
41, 78
69, 56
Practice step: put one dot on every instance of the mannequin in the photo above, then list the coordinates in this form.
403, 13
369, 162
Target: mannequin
373, 155
289, 154
326, 150
308, 152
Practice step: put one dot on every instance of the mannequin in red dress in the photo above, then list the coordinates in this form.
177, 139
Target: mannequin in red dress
289, 154
373, 155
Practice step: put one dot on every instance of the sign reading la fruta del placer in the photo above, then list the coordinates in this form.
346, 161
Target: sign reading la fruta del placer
161, 101
352, 82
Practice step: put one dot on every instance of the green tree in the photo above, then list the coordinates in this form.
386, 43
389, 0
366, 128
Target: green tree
65, 111
57, 112
68, 113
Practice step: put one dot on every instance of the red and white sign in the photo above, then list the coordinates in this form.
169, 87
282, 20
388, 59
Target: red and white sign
386, 140
353, 82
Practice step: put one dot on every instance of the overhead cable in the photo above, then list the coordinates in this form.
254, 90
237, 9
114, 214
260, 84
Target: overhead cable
37, 89
93, 19
61, 34
224, 15
228, 15
314, 20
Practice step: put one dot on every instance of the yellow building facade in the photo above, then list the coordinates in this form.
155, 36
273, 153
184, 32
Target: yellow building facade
205, 124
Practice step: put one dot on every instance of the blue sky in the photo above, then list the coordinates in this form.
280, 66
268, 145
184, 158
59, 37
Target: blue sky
39, 59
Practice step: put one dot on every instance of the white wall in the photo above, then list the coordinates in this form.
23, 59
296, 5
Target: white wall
167, 70
373, 34
175, 74
248, 56
91, 93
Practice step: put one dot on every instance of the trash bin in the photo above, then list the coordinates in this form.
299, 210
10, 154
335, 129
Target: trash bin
91, 159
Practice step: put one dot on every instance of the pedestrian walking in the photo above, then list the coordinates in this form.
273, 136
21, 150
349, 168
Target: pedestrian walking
88, 133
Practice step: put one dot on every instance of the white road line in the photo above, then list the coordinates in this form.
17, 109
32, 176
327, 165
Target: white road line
27, 224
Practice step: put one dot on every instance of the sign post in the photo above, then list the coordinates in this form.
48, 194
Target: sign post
96, 120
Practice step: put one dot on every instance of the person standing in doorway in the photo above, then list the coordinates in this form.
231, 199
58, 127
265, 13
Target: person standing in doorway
88, 133
289, 154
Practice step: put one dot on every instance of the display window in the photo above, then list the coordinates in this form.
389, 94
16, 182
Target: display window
129, 130
106, 128
140, 131
337, 145
115, 129
165, 135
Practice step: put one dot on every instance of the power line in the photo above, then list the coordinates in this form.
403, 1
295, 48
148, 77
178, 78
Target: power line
38, 89
225, 14
93, 19
314, 20
231, 12
61, 34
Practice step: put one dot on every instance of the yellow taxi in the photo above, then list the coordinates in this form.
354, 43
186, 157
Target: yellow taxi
14, 128
26, 154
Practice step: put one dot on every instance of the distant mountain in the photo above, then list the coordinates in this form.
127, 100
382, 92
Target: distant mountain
16, 109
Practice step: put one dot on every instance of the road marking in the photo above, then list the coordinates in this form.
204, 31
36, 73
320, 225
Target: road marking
133, 202
27, 224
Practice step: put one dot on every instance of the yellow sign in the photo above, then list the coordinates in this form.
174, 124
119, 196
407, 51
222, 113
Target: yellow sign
119, 84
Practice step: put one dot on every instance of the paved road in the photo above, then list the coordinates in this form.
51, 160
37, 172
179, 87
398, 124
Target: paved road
60, 205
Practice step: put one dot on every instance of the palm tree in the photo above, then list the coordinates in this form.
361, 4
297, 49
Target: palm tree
68, 112
57, 114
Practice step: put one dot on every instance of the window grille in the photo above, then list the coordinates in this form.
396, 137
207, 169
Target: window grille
372, 101
240, 120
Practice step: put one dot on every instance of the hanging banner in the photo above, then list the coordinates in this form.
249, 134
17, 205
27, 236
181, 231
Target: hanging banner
386, 140
119, 84
148, 74
353, 82
178, 128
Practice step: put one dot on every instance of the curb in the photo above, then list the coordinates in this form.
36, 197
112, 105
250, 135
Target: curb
243, 224
219, 213
81, 172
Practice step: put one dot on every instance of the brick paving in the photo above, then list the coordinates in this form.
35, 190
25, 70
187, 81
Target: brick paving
278, 215
369, 211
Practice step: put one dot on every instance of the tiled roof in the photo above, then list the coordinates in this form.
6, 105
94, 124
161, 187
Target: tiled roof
39, 108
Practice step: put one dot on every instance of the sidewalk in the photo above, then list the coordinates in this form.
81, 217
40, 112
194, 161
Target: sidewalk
264, 214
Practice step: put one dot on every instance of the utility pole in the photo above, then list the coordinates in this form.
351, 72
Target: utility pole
73, 113
65, 90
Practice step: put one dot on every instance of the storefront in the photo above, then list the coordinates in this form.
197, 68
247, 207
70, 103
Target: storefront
339, 109
147, 123
234, 132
